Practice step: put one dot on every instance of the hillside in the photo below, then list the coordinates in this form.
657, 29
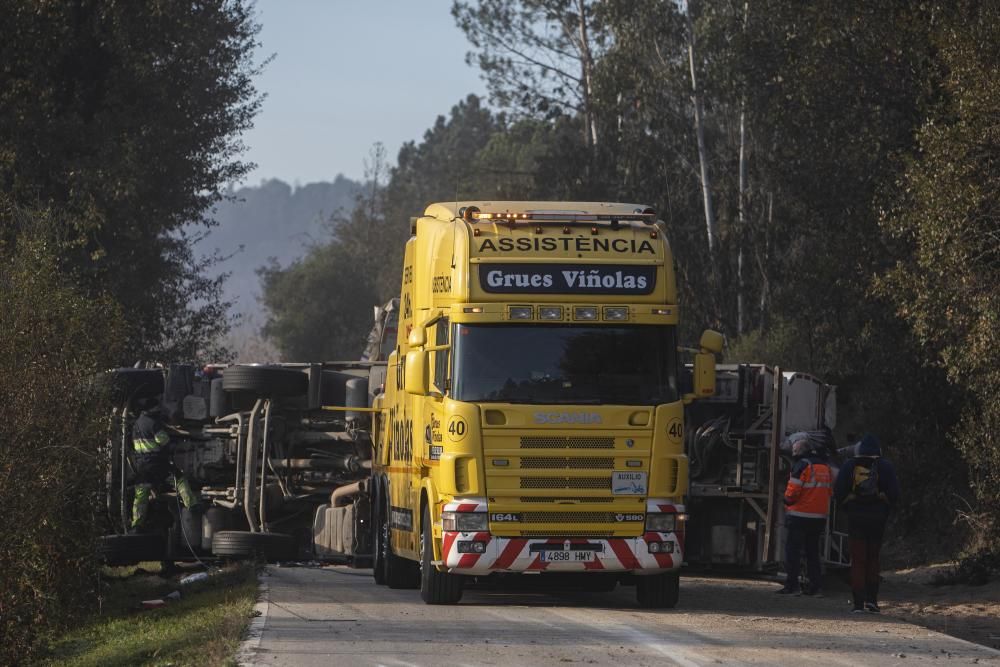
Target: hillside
271, 220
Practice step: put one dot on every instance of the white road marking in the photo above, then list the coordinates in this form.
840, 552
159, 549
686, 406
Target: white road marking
246, 656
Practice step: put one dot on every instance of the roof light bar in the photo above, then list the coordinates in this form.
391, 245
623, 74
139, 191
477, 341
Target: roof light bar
473, 214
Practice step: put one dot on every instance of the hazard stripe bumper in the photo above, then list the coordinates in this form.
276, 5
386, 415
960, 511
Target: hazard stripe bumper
516, 554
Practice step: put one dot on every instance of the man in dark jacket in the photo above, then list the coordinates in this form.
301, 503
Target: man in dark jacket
867, 489
153, 465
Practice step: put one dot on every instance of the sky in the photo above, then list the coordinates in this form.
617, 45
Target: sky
349, 73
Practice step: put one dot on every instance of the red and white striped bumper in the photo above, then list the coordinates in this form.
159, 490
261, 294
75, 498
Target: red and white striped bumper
517, 554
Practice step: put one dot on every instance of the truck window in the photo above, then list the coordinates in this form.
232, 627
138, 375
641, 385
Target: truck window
441, 332
389, 332
569, 364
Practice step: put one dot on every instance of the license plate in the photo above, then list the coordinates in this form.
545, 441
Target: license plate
566, 556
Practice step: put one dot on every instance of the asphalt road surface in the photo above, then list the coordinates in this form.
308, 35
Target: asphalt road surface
333, 616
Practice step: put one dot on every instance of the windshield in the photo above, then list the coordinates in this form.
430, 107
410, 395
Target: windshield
570, 364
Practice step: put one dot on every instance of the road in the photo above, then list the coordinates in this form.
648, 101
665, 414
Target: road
338, 616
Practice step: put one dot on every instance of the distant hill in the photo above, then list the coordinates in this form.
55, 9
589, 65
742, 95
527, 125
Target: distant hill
270, 220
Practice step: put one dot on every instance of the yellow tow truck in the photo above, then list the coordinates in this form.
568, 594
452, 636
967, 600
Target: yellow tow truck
532, 420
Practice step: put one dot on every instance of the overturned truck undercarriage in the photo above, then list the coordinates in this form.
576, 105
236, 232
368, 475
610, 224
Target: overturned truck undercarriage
278, 456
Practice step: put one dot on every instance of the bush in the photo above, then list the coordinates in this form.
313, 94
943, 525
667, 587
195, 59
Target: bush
52, 342
975, 570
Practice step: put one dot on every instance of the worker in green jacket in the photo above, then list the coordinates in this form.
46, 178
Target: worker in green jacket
153, 464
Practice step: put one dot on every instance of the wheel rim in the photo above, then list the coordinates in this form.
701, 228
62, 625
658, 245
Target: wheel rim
384, 539
422, 549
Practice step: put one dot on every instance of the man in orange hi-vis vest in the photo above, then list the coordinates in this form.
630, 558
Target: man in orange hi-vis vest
807, 504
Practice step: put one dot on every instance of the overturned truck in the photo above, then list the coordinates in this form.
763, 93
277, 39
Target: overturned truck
278, 456
740, 460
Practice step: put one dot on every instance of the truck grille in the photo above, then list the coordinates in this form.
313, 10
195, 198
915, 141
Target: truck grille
566, 483
559, 484
565, 442
568, 462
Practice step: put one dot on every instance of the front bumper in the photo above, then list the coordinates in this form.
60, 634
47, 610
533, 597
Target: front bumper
523, 554
517, 554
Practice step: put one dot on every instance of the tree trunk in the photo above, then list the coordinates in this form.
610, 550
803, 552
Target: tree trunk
710, 224
741, 205
587, 76
765, 286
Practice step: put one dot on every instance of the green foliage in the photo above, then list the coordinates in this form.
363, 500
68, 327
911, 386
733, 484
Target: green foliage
53, 341
946, 222
534, 54
320, 306
126, 117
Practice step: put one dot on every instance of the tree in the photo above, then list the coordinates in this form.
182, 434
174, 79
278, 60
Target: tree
126, 117
320, 307
53, 338
538, 56
946, 222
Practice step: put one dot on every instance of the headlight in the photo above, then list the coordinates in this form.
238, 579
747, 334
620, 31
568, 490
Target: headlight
464, 522
661, 523
618, 313
585, 313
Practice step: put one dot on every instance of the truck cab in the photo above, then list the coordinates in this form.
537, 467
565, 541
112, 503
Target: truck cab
532, 420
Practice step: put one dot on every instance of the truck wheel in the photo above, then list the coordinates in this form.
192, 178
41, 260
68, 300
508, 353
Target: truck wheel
265, 380
239, 544
436, 587
658, 591
132, 549
399, 572
378, 559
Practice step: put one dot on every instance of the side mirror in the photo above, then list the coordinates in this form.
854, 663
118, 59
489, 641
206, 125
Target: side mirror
415, 372
711, 341
417, 337
704, 374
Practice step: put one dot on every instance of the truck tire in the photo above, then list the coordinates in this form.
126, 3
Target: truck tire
658, 591
132, 549
239, 544
436, 587
132, 383
265, 380
398, 572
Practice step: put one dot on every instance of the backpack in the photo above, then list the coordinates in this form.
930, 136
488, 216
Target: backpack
864, 487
